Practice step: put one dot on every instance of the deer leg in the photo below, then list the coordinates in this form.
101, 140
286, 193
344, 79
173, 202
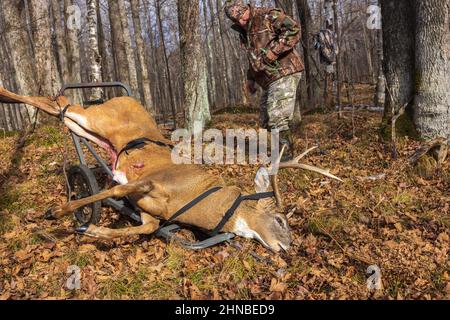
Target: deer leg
138, 187
149, 225
43, 103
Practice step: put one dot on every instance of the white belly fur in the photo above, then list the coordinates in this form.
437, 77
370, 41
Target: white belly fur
120, 177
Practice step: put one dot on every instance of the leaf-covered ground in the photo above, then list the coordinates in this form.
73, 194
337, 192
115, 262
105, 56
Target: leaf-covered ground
386, 213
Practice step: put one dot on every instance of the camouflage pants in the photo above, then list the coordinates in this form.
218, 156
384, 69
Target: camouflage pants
278, 103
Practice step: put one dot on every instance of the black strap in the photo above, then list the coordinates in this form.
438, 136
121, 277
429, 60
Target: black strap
139, 144
228, 214
236, 204
62, 115
190, 205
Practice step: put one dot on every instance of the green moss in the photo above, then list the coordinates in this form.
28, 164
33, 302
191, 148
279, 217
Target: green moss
404, 127
417, 81
238, 109
425, 167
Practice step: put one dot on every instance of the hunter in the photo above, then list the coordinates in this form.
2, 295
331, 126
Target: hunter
269, 37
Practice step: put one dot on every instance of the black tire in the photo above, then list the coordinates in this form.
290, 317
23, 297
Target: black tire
83, 184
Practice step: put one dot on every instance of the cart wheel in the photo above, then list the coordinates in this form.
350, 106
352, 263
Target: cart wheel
83, 184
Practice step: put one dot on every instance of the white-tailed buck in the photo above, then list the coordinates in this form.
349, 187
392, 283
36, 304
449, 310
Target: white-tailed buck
159, 187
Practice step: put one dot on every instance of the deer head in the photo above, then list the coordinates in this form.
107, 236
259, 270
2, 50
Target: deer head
262, 221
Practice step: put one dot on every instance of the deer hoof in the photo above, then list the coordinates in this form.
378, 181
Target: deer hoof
49, 215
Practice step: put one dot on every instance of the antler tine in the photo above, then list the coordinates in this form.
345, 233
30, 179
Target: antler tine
307, 167
294, 164
304, 154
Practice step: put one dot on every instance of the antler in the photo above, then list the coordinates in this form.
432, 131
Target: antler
295, 164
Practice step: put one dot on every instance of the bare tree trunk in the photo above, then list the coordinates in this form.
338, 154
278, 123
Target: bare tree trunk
22, 57
104, 49
166, 61
209, 57
95, 69
432, 100
43, 55
306, 22
147, 93
131, 60
381, 80
118, 44
338, 57
60, 40
221, 98
194, 73
224, 54
73, 49
398, 47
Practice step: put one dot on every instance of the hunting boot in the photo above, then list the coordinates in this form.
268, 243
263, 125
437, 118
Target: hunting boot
287, 141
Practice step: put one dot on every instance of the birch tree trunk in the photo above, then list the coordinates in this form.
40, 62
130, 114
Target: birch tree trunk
194, 76
22, 59
94, 68
131, 61
146, 87
432, 100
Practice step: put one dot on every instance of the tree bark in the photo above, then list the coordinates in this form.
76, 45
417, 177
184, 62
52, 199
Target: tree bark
61, 48
94, 69
73, 50
166, 61
194, 73
118, 43
22, 55
398, 48
131, 60
140, 46
432, 78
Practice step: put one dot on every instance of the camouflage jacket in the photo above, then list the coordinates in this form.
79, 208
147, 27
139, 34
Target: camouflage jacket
270, 29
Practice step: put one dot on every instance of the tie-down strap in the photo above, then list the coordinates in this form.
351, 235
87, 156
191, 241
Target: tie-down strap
228, 214
140, 143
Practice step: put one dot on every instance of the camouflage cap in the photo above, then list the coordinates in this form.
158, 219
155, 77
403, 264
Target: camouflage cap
235, 9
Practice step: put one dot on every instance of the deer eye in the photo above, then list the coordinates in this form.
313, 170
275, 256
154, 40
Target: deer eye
279, 221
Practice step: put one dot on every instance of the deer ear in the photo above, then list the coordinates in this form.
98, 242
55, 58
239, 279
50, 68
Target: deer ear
262, 180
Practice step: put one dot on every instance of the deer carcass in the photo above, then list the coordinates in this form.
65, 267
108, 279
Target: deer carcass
149, 177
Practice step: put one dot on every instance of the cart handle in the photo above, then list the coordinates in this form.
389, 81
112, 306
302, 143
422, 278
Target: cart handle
72, 86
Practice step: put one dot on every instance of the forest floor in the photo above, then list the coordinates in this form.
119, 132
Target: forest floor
385, 213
